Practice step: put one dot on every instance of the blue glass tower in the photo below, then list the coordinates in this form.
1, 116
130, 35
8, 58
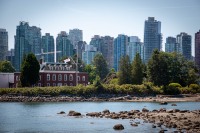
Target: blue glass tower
120, 44
152, 37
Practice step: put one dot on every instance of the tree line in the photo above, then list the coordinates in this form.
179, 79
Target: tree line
162, 69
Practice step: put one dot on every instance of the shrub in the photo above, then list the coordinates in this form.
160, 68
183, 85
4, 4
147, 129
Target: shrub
172, 89
194, 88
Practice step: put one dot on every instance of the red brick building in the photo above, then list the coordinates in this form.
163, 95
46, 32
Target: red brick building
57, 74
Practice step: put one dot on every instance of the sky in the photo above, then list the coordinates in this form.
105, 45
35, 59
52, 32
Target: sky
101, 17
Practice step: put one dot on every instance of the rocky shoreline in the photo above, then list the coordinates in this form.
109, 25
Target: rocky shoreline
111, 98
180, 120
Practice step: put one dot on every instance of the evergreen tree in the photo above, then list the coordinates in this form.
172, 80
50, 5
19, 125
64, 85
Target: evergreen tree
91, 72
101, 66
124, 70
29, 71
6, 67
164, 68
137, 70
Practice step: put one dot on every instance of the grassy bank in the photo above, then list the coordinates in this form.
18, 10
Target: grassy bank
91, 90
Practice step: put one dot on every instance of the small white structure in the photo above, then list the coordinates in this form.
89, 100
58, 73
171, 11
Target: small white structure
6, 80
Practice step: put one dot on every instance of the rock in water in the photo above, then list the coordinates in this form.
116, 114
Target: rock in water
73, 113
118, 127
61, 112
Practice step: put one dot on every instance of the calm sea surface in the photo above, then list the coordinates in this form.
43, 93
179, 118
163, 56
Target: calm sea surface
43, 117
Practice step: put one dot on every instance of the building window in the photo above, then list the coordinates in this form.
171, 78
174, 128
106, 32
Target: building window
59, 77
65, 84
65, 77
39, 84
83, 78
78, 78
48, 77
54, 77
54, 84
40, 78
48, 84
70, 77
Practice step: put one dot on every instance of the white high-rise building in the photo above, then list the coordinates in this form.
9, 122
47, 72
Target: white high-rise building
75, 35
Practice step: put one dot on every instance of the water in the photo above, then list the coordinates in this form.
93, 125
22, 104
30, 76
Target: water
43, 117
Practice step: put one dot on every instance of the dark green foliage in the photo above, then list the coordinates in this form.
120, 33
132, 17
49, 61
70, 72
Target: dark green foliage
98, 89
29, 71
195, 88
101, 66
158, 68
124, 70
137, 70
164, 68
97, 84
172, 89
6, 67
91, 72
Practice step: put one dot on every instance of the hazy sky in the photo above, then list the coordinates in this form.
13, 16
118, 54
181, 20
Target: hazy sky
101, 17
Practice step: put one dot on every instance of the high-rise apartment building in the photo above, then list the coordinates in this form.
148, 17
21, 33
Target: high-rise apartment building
152, 37
120, 45
48, 47
134, 46
64, 46
3, 44
81, 48
27, 40
97, 42
75, 35
104, 45
89, 54
197, 49
184, 45
170, 45
107, 50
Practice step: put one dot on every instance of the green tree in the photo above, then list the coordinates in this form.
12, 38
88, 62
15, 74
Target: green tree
101, 66
165, 68
91, 72
6, 66
137, 70
29, 71
124, 70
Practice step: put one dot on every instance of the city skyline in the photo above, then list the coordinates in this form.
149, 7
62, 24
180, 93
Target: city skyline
102, 18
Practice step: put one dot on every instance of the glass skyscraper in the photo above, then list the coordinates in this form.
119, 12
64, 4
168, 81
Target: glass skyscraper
64, 46
197, 49
184, 45
27, 40
152, 37
120, 45
3, 44
48, 46
75, 35
89, 54
134, 46
170, 45
104, 45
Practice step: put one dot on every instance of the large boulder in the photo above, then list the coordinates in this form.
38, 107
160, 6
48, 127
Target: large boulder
118, 127
106, 111
93, 114
74, 113
145, 110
